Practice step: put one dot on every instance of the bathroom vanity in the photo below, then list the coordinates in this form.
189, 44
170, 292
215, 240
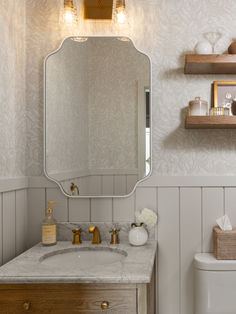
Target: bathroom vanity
88, 278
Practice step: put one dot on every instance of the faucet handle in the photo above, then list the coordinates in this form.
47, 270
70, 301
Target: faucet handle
77, 230
114, 231
114, 236
76, 233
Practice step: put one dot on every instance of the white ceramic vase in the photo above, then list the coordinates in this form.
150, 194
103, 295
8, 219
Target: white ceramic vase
138, 236
203, 47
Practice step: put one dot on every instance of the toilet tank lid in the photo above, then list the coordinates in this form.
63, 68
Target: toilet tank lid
207, 261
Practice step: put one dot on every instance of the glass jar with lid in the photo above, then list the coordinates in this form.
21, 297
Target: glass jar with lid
198, 107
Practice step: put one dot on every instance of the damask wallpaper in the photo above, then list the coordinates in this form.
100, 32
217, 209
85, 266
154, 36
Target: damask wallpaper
165, 30
12, 89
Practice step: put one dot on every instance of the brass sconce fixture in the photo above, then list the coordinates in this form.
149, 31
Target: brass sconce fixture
69, 14
104, 9
98, 9
94, 9
120, 12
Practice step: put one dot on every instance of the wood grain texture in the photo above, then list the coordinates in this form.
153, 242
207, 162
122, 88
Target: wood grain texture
68, 298
210, 64
142, 299
210, 122
151, 292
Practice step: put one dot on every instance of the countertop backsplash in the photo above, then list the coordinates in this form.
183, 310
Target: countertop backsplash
64, 230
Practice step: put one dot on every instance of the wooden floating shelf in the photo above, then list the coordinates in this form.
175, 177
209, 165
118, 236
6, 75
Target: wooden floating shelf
210, 122
210, 64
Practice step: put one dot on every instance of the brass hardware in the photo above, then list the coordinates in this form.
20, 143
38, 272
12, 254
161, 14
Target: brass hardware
105, 305
70, 12
76, 233
26, 306
98, 9
74, 187
120, 4
115, 236
96, 234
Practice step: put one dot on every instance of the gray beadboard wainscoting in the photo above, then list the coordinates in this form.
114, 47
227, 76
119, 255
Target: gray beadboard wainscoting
13, 224
187, 208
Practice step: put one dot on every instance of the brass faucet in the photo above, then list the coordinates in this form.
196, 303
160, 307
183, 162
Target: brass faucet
96, 234
74, 187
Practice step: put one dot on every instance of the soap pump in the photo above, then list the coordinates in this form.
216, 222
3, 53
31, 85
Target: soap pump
49, 228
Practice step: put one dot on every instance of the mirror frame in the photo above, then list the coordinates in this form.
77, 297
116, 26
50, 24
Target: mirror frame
44, 123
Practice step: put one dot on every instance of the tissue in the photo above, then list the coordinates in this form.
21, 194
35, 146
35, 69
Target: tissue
224, 223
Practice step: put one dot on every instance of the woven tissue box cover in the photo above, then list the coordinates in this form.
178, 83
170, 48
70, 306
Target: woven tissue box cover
224, 243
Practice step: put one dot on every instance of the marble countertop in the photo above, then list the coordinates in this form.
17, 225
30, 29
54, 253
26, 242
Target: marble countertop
29, 267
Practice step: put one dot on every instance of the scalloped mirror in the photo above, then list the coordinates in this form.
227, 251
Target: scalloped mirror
97, 116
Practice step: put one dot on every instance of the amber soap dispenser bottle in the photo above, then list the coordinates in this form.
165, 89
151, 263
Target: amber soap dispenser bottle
49, 227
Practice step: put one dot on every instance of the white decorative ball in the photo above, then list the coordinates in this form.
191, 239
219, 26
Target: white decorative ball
203, 48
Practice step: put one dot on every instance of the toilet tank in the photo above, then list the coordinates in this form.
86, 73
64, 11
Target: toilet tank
215, 285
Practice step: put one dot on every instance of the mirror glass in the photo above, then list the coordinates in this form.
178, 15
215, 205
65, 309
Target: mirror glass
97, 116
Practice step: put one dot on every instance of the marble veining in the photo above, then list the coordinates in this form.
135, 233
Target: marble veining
136, 267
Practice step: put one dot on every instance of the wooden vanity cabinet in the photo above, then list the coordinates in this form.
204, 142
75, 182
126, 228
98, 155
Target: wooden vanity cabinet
77, 298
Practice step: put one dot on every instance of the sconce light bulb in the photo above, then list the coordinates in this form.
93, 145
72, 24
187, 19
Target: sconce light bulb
69, 13
68, 16
121, 15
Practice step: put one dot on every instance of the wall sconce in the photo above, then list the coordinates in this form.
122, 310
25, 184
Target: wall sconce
120, 12
69, 13
105, 9
94, 9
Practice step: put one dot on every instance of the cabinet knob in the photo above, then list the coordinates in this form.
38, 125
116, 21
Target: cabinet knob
26, 306
105, 305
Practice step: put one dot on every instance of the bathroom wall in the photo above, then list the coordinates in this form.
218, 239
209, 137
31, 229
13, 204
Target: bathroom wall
13, 217
165, 30
12, 89
187, 208
13, 183
190, 198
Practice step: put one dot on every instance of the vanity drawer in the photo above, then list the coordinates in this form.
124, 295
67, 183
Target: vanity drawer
67, 299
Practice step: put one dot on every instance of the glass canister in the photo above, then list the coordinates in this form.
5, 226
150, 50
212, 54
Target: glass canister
198, 107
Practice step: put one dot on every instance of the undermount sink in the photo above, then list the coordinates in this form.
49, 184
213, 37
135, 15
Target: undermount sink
83, 257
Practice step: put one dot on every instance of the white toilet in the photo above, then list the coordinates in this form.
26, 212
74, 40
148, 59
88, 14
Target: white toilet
215, 285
